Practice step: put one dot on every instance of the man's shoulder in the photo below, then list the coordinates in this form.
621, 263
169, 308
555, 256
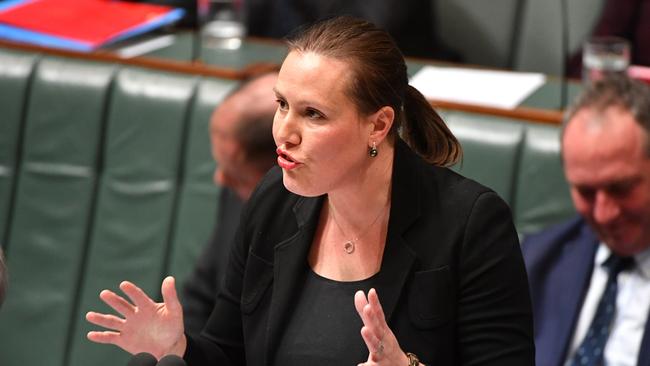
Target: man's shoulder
563, 231
552, 244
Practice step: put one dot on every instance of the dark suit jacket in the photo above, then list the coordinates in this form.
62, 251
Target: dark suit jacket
560, 262
202, 286
452, 281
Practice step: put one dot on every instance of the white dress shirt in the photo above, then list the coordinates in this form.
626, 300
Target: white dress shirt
632, 305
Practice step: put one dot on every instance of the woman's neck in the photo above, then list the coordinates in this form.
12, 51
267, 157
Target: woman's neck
353, 226
357, 202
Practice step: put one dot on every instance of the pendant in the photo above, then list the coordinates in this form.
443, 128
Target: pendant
349, 247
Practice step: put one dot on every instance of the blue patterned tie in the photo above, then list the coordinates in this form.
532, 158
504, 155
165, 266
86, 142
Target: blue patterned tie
591, 350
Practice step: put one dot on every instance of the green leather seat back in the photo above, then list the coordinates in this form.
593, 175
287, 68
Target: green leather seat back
15, 73
539, 44
197, 208
146, 130
481, 31
52, 209
542, 194
491, 147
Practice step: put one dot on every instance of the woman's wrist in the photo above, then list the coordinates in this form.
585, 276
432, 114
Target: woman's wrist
412, 359
180, 347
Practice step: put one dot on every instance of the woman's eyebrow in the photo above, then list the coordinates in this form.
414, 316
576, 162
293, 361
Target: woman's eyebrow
316, 105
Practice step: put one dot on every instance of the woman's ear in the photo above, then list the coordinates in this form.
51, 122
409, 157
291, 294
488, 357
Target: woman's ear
381, 122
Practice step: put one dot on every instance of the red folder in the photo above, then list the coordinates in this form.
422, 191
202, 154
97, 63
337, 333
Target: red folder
93, 22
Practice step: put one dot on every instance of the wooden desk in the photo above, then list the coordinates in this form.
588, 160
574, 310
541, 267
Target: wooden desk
258, 55
543, 105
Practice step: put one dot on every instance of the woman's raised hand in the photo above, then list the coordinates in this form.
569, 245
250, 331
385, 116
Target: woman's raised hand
382, 345
145, 325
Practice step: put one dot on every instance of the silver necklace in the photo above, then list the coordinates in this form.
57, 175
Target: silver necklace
349, 245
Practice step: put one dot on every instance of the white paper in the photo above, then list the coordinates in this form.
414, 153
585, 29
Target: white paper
146, 46
502, 89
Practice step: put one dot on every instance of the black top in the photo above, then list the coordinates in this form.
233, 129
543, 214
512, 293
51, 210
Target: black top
324, 327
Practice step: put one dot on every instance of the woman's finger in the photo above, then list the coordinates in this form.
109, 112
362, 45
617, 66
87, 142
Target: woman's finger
107, 321
376, 314
375, 333
373, 299
170, 297
118, 303
363, 307
373, 343
360, 301
139, 298
370, 314
105, 337
373, 321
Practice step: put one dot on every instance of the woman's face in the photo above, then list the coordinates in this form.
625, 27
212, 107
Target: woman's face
322, 139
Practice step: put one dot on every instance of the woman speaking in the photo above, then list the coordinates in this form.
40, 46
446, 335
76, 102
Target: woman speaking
361, 247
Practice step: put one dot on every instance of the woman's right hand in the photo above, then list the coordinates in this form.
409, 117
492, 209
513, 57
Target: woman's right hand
145, 325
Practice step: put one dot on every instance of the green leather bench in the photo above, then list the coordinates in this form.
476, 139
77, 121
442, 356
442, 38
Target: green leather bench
106, 175
520, 161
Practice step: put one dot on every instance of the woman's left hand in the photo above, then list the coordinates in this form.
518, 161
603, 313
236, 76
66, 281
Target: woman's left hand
382, 345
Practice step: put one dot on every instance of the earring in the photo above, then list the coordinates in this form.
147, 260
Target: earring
373, 150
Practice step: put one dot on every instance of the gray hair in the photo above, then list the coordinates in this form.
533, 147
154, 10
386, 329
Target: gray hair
616, 91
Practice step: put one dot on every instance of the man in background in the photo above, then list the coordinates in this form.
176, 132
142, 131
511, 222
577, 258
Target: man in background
590, 277
243, 148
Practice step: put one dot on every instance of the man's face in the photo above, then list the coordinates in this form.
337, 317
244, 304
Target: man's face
233, 170
608, 170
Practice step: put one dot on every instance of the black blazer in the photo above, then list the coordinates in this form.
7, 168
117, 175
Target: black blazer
452, 280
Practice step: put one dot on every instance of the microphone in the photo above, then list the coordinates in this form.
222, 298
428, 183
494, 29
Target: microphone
142, 359
171, 360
